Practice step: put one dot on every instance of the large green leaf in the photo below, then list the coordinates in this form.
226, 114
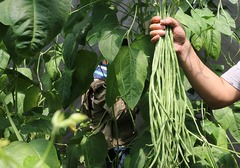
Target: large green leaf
103, 17
142, 43
219, 134
212, 43
188, 21
112, 90
223, 23
95, 150
131, 72
19, 151
72, 41
110, 43
228, 121
34, 23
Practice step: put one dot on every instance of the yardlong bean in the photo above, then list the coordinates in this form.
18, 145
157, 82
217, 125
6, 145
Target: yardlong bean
168, 102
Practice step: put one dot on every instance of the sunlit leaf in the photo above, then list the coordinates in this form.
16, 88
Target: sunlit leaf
131, 73
20, 150
212, 43
229, 121
110, 43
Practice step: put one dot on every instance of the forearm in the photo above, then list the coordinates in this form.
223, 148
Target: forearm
214, 90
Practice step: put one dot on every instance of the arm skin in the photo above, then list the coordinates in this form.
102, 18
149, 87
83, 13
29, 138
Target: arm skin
214, 90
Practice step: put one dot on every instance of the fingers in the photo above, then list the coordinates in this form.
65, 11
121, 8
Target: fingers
155, 19
156, 34
157, 29
170, 22
158, 26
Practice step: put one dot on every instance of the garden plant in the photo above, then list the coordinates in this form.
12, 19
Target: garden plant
49, 51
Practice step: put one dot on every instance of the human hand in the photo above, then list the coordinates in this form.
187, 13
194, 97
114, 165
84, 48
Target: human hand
158, 26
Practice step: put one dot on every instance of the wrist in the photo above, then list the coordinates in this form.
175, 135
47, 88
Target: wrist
184, 51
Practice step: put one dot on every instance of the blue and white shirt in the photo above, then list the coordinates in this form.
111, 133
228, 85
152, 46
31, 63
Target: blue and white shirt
100, 72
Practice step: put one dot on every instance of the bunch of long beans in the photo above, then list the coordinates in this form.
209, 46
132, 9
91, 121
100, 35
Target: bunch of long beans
168, 102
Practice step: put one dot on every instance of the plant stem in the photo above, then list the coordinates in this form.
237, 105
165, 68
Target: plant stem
19, 137
50, 144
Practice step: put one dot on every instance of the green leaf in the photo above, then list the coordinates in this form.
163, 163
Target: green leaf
74, 18
70, 50
4, 59
52, 66
139, 152
104, 14
19, 151
212, 43
80, 30
46, 81
3, 31
142, 43
37, 126
52, 101
31, 98
228, 121
197, 41
131, 72
110, 43
40, 146
103, 17
73, 155
95, 150
187, 21
196, 15
26, 72
228, 18
34, 23
84, 66
204, 13
65, 87
4, 123
30, 161
218, 133
72, 41
222, 23
112, 90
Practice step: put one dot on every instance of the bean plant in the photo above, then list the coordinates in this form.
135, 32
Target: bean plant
49, 51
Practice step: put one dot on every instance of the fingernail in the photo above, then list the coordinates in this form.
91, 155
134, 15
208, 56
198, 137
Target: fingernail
163, 21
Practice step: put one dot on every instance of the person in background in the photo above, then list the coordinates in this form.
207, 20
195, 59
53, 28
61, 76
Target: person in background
119, 139
216, 91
